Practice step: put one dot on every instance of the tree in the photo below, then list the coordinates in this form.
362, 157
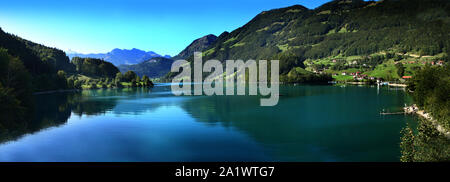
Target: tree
93, 86
70, 83
119, 84
14, 75
129, 76
397, 57
400, 69
95, 67
138, 79
11, 108
407, 145
15, 90
77, 84
119, 77
430, 87
133, 83
288, 61
61, 79
146, 81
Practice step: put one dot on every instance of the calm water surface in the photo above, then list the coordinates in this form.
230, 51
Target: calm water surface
310, 123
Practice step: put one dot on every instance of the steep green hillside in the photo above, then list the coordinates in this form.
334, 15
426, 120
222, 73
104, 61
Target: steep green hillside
40, 61
342, 29
52, 56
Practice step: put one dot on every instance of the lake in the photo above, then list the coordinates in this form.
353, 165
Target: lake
310, 123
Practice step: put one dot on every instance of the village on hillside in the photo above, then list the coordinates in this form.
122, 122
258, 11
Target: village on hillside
380, 68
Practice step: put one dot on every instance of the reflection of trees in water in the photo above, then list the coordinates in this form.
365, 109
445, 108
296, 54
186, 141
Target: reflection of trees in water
213, 109
288, 127
55, 109
80, 105
49, 110
138, 100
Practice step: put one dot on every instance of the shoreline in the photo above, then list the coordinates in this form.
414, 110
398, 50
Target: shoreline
397, 85
56, 91
357, 83
368, 83
415, 110
74, 90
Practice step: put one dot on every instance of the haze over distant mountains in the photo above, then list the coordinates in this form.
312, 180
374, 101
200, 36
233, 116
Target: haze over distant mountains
120, 56
159, 66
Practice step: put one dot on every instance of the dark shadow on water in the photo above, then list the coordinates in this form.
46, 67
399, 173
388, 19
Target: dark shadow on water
51, 110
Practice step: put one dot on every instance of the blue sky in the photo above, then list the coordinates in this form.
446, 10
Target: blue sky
163, 26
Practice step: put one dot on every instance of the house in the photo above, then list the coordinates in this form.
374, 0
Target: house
440, 63
407, 77
379, 80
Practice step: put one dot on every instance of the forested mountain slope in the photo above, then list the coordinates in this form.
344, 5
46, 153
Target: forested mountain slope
199, 44
347, 29
40, 61
153, 68
350, 27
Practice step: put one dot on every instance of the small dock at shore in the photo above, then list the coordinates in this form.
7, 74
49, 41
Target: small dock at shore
415, 110
392, 113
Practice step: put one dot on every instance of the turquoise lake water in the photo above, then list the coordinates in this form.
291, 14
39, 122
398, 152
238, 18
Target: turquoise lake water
310, 123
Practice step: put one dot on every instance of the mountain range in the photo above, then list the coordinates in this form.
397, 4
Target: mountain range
301, 38
350, 30
199, 44
159, 66
340, 27
120, 56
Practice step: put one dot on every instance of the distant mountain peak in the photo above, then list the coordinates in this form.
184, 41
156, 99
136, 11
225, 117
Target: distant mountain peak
120, 56
297, 6
199, 44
